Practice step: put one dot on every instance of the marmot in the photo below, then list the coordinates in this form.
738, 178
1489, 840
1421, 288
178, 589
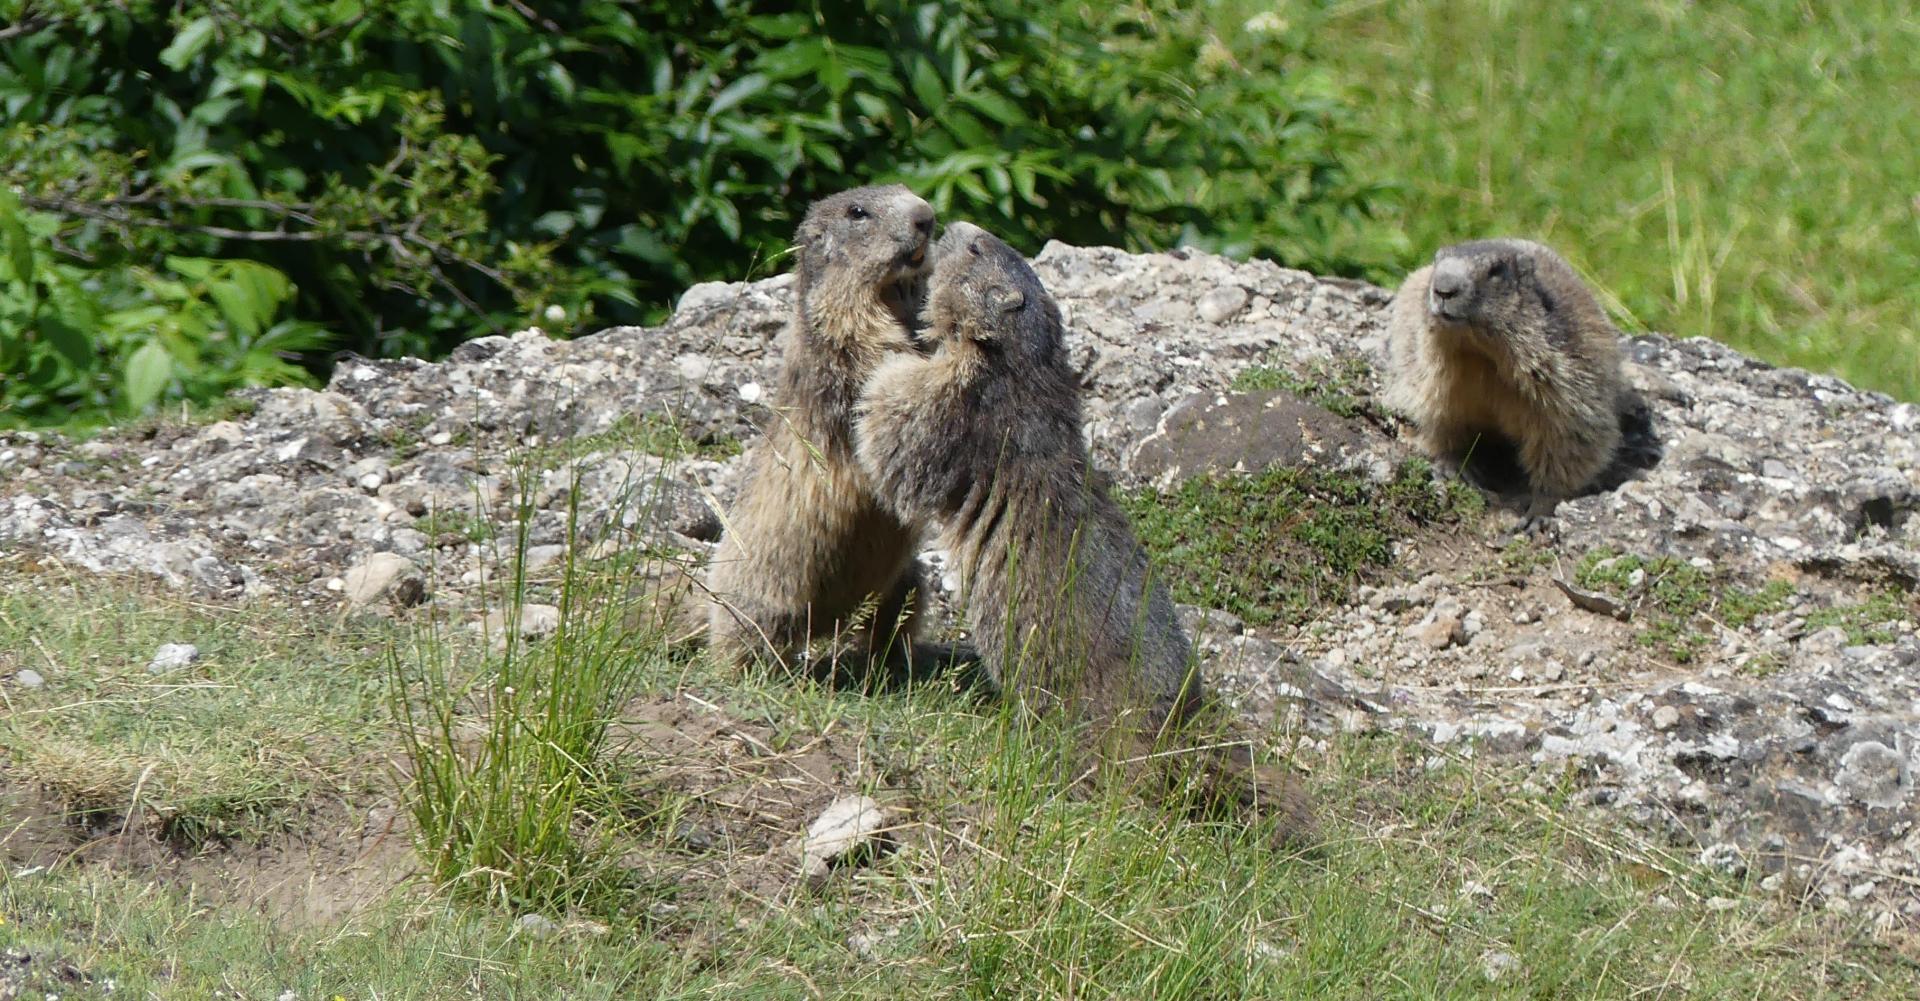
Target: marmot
807, 550
983, 439
1499, 347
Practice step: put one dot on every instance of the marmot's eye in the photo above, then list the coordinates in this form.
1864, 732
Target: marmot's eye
856, 212
1498, 270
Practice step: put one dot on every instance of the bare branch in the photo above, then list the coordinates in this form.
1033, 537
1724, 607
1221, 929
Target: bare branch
407, 246
25, 27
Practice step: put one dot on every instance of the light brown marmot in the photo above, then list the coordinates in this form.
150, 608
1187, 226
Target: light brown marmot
983, 439
1499, 347
808, 550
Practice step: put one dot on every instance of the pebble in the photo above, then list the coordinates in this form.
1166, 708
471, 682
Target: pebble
172, 657
1440, 631
1498, 964
384, 575
1221, 303
537, 621
843, 831
537, 925
27, 677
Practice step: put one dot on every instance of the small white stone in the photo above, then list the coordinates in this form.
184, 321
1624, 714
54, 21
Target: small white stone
1496, 964
555, 313
537, 925
172, 657
1666, 718
27, 677
537, 621
750, 392
1216, 306
384, 574
843, 827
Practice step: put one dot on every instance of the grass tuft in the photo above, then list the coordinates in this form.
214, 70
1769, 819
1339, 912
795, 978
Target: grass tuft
505, 740
1276, 546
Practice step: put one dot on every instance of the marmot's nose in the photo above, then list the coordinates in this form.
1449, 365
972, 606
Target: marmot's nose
1449, 279
922, 217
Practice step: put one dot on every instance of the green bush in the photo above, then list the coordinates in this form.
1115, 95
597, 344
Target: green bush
207, 191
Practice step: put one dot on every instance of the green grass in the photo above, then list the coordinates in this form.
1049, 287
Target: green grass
1339, 387
1431, 873
1278, 545
1743, 171
535, 783
1678, 605
1883, 617
1674, 599
278, 710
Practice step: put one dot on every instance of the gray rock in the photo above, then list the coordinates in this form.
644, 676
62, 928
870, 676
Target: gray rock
1221, 303
536, 926
1242, 432
1874, 774
1440, 630
845, 831
537, 621
27, 677
384, 576
172, 657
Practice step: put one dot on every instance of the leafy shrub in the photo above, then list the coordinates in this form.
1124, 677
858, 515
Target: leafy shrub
397, 177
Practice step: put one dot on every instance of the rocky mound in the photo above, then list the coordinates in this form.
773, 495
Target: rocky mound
1722, 652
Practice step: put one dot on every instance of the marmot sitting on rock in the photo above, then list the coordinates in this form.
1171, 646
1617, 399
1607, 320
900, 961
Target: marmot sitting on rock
983, 439
1498, 351
807, 549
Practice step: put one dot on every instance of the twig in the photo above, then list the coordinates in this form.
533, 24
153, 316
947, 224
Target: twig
26, 27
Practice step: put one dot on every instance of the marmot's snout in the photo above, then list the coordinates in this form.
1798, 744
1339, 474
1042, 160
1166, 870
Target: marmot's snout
921, 216
1450, 289
919, 231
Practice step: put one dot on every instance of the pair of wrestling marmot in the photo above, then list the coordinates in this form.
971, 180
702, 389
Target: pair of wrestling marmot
970, 427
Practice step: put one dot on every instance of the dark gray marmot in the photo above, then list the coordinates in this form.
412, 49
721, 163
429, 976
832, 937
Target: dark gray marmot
807, 548
1501, 355
983, 440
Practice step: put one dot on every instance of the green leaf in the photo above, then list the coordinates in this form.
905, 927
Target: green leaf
190, 42
926, 85
192, 268
19, 246
779, 25
804, 57
740, 90
148, 372
67, 341
994, 106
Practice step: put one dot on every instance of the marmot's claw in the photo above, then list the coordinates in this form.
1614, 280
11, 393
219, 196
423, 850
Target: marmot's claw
1537, 526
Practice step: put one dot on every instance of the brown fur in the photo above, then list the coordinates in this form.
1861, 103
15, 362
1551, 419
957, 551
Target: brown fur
1514, 345
808, 551
983, 439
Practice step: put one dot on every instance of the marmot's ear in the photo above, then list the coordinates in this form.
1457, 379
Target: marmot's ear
814, 237
1005, 298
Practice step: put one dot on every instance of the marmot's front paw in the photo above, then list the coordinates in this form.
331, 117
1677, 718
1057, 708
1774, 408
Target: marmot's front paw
1537, 521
